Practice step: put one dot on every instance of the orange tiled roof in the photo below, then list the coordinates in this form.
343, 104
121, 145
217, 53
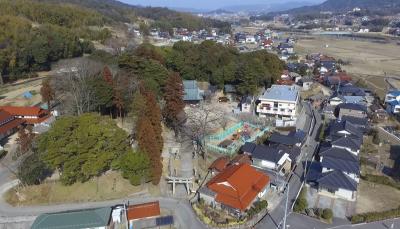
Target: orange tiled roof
24, 111
238, 185
142, 211
219, 164
9, 125
28, 111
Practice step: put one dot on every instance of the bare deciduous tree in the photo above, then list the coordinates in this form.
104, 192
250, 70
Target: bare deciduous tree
72, 80
201, 122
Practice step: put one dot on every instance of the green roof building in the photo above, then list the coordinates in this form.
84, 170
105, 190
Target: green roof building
98, 218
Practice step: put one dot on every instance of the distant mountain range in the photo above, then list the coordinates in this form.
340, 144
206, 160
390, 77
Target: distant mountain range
265, 8
346, 5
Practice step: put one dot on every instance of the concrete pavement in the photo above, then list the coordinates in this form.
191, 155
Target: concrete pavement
275, 218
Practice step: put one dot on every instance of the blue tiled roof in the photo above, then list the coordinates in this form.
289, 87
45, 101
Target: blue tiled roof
394, 93
336, 180
190, 84
248, 147
281, 92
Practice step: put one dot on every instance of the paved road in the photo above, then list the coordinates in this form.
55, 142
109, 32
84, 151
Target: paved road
275, 218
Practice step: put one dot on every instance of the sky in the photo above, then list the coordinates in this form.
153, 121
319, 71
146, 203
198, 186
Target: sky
203, 4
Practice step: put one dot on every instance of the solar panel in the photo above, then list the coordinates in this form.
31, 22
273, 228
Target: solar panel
165, 220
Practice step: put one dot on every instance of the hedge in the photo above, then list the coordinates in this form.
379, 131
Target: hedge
375, 216
301, 203
327, 214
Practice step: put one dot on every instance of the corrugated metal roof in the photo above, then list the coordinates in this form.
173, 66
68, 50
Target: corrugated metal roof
78, 219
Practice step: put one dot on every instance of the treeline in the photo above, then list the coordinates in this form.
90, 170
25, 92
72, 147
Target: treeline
207, 61
221, 65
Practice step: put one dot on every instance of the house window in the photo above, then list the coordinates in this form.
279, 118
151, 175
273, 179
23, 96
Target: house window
282, 110
275, 104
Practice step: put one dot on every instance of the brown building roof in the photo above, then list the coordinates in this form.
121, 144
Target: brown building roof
238, 185
219, 164
143, 211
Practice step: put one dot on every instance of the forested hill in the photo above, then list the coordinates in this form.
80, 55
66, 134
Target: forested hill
338, 6
163, 18
34, 33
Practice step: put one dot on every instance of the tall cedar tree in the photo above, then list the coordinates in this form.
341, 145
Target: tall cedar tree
47, 93
173, 97
107, 75
147, 138
153, 112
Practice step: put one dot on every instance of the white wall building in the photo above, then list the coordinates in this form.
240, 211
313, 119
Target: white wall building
280, 101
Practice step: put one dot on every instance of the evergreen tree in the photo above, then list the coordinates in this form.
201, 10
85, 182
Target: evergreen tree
47, 93
147, 141
174, 104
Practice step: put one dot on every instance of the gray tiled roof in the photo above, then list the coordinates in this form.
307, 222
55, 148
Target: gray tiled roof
348, 142
267, 153
340, 159
336, 180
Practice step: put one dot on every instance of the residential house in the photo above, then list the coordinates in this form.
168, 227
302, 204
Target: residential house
293, 138
286, 48
246, 104
361, 123
192, 92
8, 124
351, 144
392, 101
31, 115
351, 109
230, 91
143, 215
280, 101
266, 157
235, 188
338, 129
98, 218
338, 184
392, 95
218, 165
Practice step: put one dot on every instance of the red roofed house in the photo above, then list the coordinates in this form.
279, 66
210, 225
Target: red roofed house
142, 212
219, 165
8, 124
235, 188
31, 115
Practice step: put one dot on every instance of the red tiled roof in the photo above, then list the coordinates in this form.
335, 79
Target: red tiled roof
238, 185
219, 164
142, 211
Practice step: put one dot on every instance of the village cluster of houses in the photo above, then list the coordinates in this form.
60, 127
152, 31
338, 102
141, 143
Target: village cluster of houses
145, 215
355, 20
238, 183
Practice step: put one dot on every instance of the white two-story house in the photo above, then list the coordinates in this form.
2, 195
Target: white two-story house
280, 101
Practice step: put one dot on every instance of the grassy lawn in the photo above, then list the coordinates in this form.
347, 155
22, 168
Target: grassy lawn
107, 187
376, 197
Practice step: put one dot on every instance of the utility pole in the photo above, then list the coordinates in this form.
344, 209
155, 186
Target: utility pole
286, 206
